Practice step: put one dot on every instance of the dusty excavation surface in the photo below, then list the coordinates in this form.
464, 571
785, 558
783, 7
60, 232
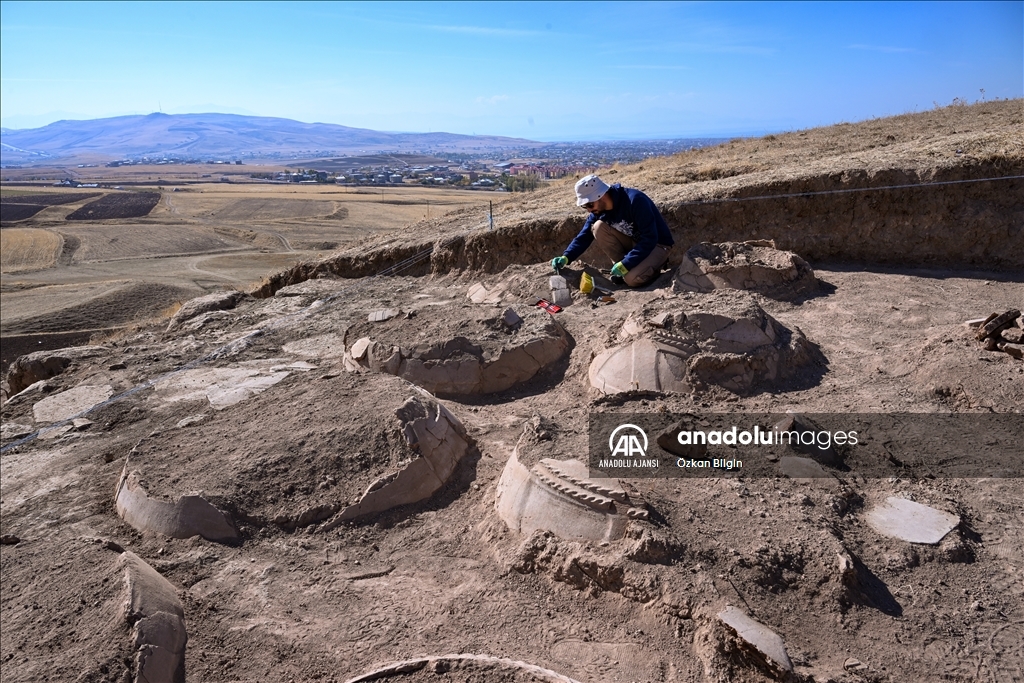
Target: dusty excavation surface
254, 491
303, 593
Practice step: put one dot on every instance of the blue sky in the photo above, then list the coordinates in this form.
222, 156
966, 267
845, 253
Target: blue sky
546, 71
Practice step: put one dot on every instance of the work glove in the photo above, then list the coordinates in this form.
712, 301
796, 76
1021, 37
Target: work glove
619, 270
559, 262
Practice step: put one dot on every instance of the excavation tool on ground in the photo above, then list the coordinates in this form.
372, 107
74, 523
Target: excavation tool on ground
547, 305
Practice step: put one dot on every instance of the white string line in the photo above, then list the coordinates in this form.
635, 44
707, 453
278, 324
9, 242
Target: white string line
239, 344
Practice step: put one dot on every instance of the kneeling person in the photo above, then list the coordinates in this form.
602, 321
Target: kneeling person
628, 228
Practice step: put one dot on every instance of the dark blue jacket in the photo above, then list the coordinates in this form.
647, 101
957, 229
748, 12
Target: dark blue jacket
635, 215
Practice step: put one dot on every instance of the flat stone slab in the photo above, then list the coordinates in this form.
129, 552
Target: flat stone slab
909, 521
12, 430
312, 288
71, 402
760, 637
322, 346
382, 315
222, 387
300, 365
479, 294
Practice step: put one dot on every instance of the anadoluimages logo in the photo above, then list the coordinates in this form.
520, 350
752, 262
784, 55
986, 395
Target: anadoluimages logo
628, 443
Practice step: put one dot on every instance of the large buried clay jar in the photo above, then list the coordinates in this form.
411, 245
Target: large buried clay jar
559, 496
726, 339
458, 354
756, 266
296, 455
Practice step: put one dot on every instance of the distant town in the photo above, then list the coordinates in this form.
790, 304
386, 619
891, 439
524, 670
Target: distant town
510, 169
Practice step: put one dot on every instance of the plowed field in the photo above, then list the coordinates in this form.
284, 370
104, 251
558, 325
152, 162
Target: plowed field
19, 207
48, 199
18, 212
129, 205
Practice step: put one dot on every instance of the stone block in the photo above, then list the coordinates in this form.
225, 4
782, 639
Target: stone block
561, 297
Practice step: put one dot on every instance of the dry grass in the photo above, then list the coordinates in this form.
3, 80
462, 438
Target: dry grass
24, 249
116, 241
120, 334
923, 142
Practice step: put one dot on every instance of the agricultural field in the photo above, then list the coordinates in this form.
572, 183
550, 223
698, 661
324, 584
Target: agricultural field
76, 262
120, 205
17, 207
116, 241
28, 249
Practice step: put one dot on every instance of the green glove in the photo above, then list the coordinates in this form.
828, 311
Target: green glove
559, 262
619, 270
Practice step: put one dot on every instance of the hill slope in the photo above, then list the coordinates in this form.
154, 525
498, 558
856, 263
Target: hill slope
217, 135
906, 190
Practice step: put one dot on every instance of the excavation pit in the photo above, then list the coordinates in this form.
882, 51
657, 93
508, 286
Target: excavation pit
755, 266
475, 351
725, 339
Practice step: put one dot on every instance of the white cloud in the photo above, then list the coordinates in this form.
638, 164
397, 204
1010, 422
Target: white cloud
880, 48
652, 67
483, 30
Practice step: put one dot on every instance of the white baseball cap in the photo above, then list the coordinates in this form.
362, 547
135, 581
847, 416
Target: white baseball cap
589, 189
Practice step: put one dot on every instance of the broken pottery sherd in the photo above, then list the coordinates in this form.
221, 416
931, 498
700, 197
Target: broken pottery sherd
764, 640
909, 521
756, 266
152, 607
187, 517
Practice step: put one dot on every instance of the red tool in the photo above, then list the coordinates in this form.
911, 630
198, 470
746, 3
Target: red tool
547, 306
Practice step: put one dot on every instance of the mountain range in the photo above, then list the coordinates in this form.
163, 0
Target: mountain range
220, 135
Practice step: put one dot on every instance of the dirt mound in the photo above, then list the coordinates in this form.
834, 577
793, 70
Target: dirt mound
126, 205
33, 367
892, 191
724, 339
754, 266
484, 350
